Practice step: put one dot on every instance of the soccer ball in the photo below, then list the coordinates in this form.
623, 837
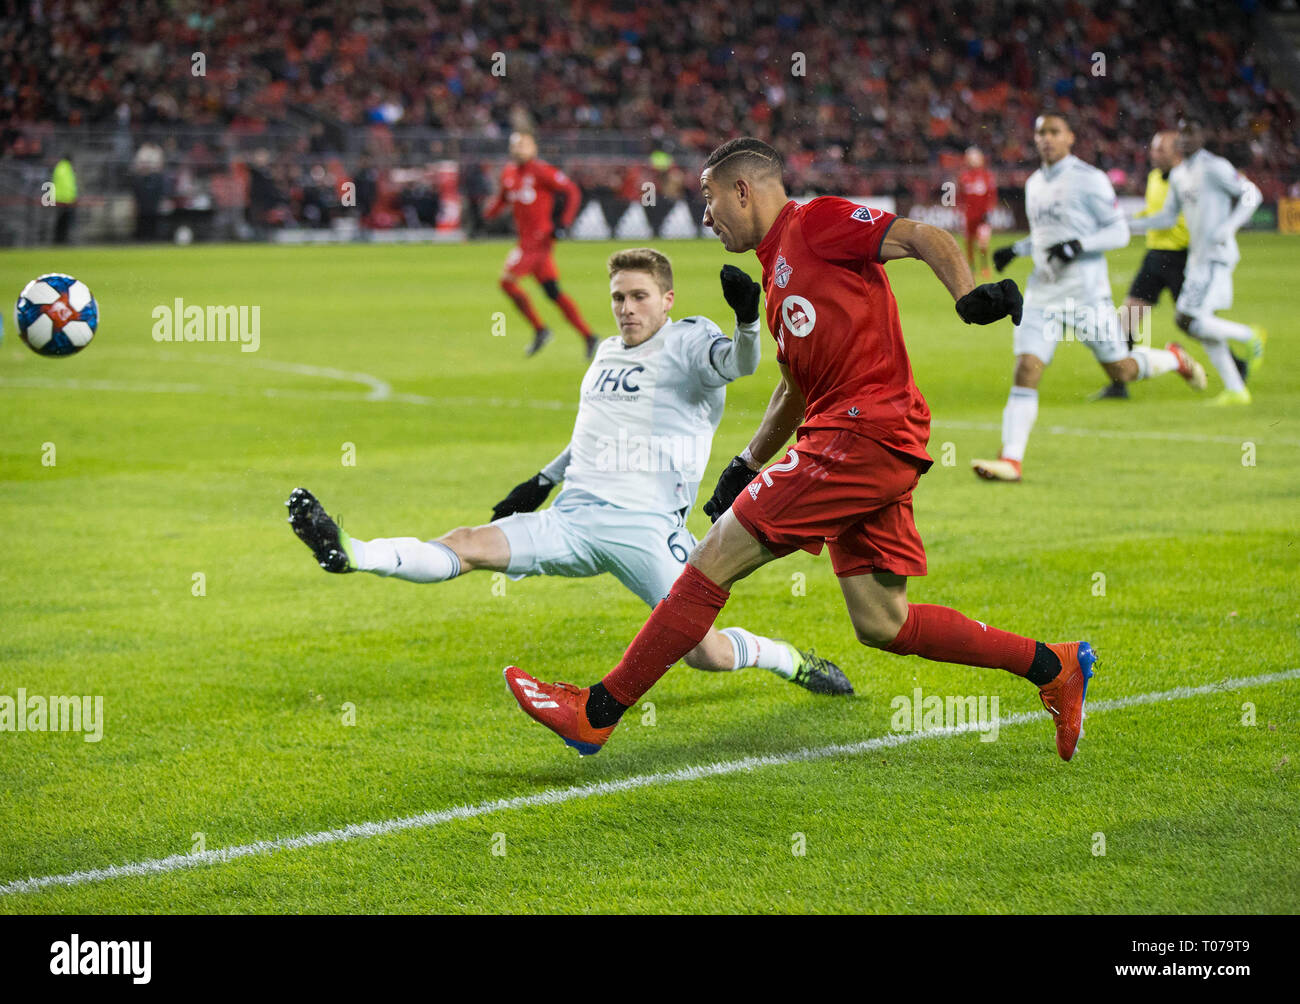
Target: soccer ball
56, 315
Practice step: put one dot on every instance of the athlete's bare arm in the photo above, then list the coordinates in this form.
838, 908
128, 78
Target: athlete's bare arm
936, 247
784, 412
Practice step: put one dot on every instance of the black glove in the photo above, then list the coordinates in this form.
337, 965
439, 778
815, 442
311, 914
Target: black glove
523, 497
1065, 252
741, 293
733, 481
1002, 257
991, 302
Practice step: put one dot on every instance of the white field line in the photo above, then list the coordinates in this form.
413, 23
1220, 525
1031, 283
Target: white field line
380, 390
557, 796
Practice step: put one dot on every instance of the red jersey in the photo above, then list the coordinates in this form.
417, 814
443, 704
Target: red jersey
530, 189
977, 192
836, 325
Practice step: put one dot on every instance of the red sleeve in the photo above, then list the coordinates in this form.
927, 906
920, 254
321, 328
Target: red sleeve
558, 181
845, 233
495, 204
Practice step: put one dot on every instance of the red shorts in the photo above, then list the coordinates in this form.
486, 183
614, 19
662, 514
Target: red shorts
535, 261
844, 490
978, 226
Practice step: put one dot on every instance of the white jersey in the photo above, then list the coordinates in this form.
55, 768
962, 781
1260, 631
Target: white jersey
1215, 199
1065, 201
648, 414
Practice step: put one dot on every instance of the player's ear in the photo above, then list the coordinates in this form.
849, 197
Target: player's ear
744, 190
668, 300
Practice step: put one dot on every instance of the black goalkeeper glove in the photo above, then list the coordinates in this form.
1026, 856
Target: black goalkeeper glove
1003, 257
991, 302
733, 481
741, 293
1065, 252
524, 497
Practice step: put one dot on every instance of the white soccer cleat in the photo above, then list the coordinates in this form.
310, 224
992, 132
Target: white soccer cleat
1001, 469
1188, 368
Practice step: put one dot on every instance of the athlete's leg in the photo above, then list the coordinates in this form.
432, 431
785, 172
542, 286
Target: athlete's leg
548, 275
882, 618
413, 560
1021, 409
519, 263
683, 618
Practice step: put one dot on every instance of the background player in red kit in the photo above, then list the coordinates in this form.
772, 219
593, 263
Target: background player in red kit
846, 385
529, 186
977, 194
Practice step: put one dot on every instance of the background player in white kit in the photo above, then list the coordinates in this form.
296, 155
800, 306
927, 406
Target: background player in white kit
651, 402
1073, 218
1216, 201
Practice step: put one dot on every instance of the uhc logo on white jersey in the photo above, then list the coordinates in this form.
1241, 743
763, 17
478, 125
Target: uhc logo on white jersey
866, 214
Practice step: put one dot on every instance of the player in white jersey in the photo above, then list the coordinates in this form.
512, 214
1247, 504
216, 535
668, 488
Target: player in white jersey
1074, 218
1215, 200
651, 402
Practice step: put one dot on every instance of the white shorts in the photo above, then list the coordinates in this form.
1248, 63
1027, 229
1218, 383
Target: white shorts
1094, 324
645, 551
1207, 287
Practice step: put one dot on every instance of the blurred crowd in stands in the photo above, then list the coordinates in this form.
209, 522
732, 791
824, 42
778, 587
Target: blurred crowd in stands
860, 97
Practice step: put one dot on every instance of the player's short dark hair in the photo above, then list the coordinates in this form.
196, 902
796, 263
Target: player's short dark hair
744, 155
1056, 113
643, 260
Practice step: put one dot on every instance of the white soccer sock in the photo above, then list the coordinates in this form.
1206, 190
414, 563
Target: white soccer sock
1153, 362
1223, 362
1209, 326
755, 650
1018, 419
406, 558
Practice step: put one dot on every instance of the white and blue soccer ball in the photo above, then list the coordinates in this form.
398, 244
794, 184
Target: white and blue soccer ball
56, 315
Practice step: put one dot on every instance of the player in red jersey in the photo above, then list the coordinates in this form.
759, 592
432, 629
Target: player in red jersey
977, 194
862, 427
529, 186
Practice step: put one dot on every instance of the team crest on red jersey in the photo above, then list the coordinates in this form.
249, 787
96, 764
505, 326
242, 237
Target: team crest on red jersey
866, 214
782, 272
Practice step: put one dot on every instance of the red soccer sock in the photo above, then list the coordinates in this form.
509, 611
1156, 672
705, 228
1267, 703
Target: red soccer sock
524, 304
944, 635
572, 313
678, 624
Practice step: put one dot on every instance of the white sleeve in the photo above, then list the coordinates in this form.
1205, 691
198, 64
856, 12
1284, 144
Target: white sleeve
1112, 229
1164, 218
1248, 199
716, 359
554, 471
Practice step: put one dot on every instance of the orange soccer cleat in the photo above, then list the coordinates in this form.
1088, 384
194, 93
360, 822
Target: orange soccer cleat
561, 707
1064, 696
1001, 469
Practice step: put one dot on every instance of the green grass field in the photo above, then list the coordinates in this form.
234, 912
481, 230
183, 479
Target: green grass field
224, 712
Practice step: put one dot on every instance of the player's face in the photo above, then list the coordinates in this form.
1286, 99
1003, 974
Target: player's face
1053, 138
1162, 152
640, 306
523, 147
974, 159
725, 215
1190, 138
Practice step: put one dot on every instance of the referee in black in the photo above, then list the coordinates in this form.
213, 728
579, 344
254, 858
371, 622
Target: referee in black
1166, 256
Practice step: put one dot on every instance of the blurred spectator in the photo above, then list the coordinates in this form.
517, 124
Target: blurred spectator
149, 186
64, 180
